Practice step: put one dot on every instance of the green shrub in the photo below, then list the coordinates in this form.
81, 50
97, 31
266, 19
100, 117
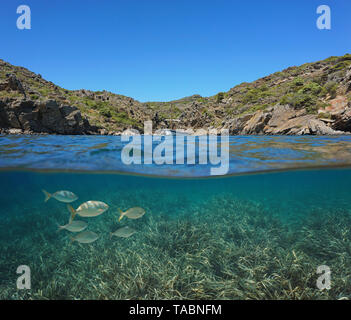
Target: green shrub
201, 100
251, 96
312, 88
312, 109
44, 91
299, 100
90, 103
105, 112
331, 87
331, 59
324, 115
219, 97
122, 117
317, 106
205, 112
296, 84
278, 74
34, 96
97, 105
256, 108
341, 65
255, 94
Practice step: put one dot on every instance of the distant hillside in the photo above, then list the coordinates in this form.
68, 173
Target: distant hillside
314, 98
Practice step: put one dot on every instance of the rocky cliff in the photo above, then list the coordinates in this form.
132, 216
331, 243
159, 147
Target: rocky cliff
314, 98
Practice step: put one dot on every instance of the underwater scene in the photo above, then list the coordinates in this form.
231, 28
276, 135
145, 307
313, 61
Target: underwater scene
90, 227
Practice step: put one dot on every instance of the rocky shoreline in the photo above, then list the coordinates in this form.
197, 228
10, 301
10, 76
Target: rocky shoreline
27, 117
50, 117
313, 99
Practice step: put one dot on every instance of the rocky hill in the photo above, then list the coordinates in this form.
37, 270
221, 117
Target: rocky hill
314, 98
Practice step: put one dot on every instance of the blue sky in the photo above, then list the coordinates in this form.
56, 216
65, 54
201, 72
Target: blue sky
160, 50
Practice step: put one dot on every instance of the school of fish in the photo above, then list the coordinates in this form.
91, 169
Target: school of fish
87, 209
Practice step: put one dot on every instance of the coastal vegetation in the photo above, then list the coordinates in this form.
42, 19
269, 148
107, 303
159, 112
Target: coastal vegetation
311, 87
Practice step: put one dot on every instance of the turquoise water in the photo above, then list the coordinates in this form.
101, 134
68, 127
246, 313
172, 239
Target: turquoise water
247, 154
249, 236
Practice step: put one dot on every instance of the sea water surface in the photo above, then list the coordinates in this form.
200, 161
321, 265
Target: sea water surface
259, 232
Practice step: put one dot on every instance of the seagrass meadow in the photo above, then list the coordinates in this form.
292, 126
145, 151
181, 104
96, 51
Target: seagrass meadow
258, 236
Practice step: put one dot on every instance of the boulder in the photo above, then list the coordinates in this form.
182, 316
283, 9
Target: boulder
283, 113
236, 125
318, 127
342, 120
103, 132
12, 83
256, 124
347, 80
130, 132
200, 132
42, 117
297, 125
15, 131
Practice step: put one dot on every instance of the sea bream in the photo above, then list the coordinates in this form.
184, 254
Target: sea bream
74, 226
132, 213
88, 209
62, 196
124, 232
85, 237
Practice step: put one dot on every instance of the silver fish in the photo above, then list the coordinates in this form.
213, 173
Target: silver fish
85, 237
63, 196
124, 232
88, 209
74, 226
132, 213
